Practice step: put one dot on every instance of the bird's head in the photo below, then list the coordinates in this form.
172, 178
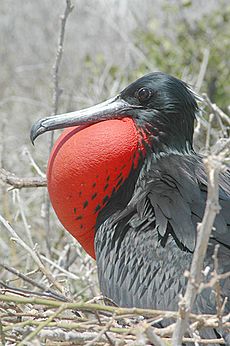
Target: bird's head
162, 105
166, 108
106, 144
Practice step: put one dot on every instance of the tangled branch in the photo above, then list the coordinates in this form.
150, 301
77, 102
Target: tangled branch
119, 322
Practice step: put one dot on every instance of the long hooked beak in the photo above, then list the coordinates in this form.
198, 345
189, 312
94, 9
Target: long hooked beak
114, 108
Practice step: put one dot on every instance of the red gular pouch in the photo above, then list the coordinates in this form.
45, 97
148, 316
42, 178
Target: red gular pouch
88, 164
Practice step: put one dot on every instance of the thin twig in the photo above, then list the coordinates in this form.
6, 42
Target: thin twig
22, 276
204, 229
56, 92
66, 272
28, 293
103, 332
56, 95
26, 225
33, 163
222, 146
208, 134
203, 69
32, 253
216, 110
46, 291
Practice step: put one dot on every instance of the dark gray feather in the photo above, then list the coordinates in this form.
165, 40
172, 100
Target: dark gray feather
143, 250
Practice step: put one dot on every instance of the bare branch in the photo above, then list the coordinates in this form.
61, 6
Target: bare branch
155, 339
79, 338
56, 66
208, 134
56, 94
216, 110
203, 69
45, 290
221, 146
33, 163
204, 229
19, 183
26, 225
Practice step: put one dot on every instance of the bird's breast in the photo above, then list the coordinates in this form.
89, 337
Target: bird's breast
86, 167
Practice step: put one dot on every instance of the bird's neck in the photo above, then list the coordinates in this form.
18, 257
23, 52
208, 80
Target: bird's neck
169, 132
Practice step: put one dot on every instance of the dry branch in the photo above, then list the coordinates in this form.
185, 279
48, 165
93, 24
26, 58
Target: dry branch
45, 291
19, 183
153, 337
216, 110
79, 338
203, 68
204, 229
56, 95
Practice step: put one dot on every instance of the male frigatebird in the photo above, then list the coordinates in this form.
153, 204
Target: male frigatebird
125, 181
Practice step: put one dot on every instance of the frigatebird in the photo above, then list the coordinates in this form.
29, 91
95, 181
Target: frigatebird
125, 180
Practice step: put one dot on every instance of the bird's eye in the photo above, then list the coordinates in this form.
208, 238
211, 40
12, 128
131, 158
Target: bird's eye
143, 94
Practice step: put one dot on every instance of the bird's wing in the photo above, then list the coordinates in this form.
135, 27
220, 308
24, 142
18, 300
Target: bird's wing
176, 186
178, 193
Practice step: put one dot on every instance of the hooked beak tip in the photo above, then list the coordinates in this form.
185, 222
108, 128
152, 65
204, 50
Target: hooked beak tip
36, 130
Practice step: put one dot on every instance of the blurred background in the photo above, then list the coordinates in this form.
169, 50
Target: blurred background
107, 45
